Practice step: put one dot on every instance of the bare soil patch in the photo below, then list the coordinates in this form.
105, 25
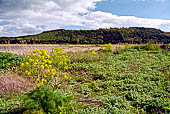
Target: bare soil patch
23, 49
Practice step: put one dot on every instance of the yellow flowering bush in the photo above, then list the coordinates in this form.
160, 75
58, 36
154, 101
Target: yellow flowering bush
93, 52
59, 59
108, 47
41, 66
127, 46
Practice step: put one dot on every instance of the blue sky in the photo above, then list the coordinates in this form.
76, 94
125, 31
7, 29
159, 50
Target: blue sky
34, 16
147, 9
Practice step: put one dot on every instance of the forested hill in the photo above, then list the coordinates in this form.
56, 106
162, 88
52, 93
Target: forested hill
99, 36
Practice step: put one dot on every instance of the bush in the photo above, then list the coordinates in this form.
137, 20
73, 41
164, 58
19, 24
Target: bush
164, 46
8, 60
48, 100
108, 47
41, 66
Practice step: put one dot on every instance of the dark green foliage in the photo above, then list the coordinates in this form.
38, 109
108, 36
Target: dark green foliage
148, 47
7, 60
47, 99
10, 106
164, 46
99, 36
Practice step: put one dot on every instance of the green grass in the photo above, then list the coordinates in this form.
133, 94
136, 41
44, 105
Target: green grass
129, 82
120, 82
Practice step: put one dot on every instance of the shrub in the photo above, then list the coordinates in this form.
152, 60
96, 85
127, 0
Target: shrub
127, 46
148, 47
48, 100
41, 66
38, 66
9, 60
108, 47
34, 111
137, 47
164, 46
59, 59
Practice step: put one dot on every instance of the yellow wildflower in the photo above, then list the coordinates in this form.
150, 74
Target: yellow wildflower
27, 73
59, 85
66, 68
93, 52
48, 71
39, 56
38, 79
33, 55
43, 80
53, 71
48, 56
40, 53
30, 60
42, 66
46, 66
36, 60
49, 62
42, 57
66, 77
40, 84
22, 64
44, 61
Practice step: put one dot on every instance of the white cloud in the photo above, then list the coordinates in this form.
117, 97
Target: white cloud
34, 16
50, 13
1, 28
102, 19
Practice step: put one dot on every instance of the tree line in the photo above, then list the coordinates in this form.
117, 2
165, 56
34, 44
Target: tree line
98, 36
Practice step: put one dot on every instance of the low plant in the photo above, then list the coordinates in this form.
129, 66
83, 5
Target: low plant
8, 60
108, 47
127, 46
47, 100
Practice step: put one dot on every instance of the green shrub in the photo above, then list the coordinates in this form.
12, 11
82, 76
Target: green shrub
148, 47
136, 47
47, 99
8, 60
34, 111
164, 46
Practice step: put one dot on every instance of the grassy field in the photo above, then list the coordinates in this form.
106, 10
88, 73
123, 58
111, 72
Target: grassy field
135, 80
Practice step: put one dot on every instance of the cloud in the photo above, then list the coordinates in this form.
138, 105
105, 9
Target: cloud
49, 13
1, 28
34, 16
102, 19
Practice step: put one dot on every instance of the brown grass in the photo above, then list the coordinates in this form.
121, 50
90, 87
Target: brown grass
11, 84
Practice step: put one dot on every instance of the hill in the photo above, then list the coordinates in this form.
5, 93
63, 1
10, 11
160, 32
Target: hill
98, 36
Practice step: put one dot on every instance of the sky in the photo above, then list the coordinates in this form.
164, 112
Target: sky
26, 17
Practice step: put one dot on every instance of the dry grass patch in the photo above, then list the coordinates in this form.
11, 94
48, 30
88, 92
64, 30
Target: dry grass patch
11, 84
